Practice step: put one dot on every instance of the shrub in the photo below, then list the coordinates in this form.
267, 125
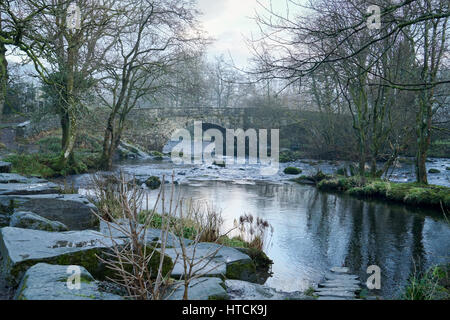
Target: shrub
434, 171
50, 144
254, 231
431, 285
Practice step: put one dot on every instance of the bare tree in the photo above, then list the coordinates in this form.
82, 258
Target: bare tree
149, 37
336, 34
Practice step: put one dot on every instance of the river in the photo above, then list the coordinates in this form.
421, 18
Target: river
314, 230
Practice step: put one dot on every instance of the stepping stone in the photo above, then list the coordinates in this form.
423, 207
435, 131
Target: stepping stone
342, 277
334, 283
332, 298
329, 289
340, 270
333, 293
243, 290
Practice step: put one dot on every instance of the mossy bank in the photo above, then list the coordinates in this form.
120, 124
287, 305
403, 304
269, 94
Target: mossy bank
414, 194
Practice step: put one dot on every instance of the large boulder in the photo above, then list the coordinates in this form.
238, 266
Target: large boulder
30, 220
50, 282
5, 166
22, 248
73, 210
200, 289
213, 260
129, 151
242, 290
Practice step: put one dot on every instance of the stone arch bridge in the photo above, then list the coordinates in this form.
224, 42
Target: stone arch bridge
156, 125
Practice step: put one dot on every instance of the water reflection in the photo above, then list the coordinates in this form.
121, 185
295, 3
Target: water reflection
314, 231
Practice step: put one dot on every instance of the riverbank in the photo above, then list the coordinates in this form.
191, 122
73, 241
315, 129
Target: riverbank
413, 194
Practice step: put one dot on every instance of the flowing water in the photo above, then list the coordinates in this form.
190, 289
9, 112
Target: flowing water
313, 230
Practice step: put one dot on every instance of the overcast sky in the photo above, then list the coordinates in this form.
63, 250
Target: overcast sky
229, 21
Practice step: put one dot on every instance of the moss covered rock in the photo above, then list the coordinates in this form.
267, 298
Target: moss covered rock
22, 248
49, 282
153, 182
292, 170
30, 220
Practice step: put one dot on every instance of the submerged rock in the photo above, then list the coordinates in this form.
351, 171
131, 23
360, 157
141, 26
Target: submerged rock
200, 289
50, 282
73, 210
30, 220
242, 290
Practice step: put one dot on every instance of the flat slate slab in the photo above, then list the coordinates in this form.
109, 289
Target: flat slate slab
336, 293
22, 248
28, 188
215, 260
242, 290
333, 289
152, 235
73, 210
49, 282
17, 178
340, 277
331, 286
201, 289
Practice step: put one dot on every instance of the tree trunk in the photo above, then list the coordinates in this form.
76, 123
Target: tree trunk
423, 123
107, 153
3, 77
110, 142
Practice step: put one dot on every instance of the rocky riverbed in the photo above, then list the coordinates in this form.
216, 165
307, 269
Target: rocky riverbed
45, 234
